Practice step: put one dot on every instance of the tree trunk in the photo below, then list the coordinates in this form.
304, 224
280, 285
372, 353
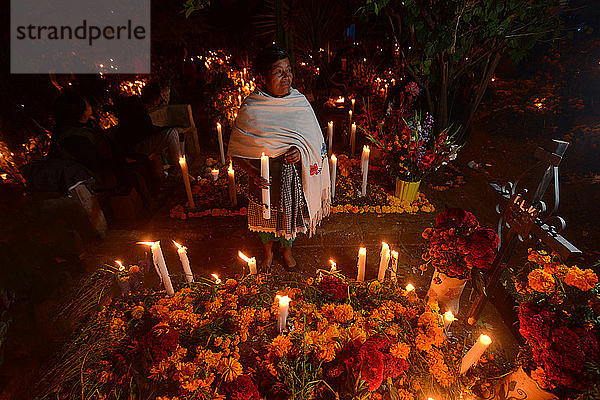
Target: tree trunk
487, 75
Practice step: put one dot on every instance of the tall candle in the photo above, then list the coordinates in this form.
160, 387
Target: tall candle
475, 353
284, 305
159, 263
250, 261
365, 169
231, 180
220, 138
353, 138
185, 262
383, 261
394, 254
266, 193
186, 181
215, 174
362, 260
332, 173
330, 136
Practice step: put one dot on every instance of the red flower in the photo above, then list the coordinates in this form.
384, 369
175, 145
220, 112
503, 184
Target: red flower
394, 367
481, 248
242, 388
456, 218
535, 324
334, 287
162, 341
372, 361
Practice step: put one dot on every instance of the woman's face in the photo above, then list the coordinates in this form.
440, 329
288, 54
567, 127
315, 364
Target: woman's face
279, 78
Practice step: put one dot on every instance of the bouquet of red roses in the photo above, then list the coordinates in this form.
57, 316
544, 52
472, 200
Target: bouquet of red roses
457, 244
559, 317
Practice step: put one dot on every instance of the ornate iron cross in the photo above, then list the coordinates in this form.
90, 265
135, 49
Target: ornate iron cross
523, 218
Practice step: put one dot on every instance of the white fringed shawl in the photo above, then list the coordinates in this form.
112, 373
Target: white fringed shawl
271, 125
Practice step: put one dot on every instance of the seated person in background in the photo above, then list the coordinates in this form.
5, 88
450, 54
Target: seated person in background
74, 139
137, 134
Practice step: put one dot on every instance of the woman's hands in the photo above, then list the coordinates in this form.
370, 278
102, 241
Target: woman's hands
259, 180
292, 156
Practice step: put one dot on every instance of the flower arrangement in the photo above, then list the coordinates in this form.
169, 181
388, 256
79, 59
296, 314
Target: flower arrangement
457, 244
411, 149
343, 340
559, 318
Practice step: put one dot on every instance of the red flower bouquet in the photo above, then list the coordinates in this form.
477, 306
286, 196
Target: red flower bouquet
558, 318
457, 244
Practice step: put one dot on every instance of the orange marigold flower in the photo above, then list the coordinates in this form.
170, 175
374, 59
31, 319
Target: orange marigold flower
400, 350
281, 345
541, 281
581, 279
231, 369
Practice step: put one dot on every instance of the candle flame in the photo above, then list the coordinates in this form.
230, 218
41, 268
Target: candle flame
230, 168
410, 287
394, 253
362, 250
448, 316
485, 340
333, 158
147, 243
218, 124
182, 160
217, 280
121, 267
283, 300
243, 256
330, 123
177, 244
384, 245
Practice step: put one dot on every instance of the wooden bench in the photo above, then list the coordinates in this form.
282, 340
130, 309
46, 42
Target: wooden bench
178, 116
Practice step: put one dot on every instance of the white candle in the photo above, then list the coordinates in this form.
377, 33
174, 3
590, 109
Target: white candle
217, 280
332, 173
284, 305
365, 169
231, 180
394, 254
159, 263
448, 319
353, 138
186, 181
220, 138
475, 353
362, 260
215, 174
330, 136
266, 193
333, 266
383, 261
251, 262
185, 262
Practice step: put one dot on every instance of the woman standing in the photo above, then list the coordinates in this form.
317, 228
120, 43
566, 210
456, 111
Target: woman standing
277, 121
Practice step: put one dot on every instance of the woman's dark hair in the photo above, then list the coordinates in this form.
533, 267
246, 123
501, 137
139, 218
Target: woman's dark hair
150, 92
267, 57
69, 107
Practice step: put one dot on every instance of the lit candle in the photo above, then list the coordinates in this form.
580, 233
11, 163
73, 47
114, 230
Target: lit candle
448, 319
332, 173
475, 353
266, 193
410, 288
350, 115
365, 169
251, 262
330, 136
185, 262
383, 261
186, 181
362, 260
353, 101
284, 305
333, 266
353, 138
215, 174
231, 180
394, 254
159, 263
120, 264
220, 138
240, 99
217, 280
